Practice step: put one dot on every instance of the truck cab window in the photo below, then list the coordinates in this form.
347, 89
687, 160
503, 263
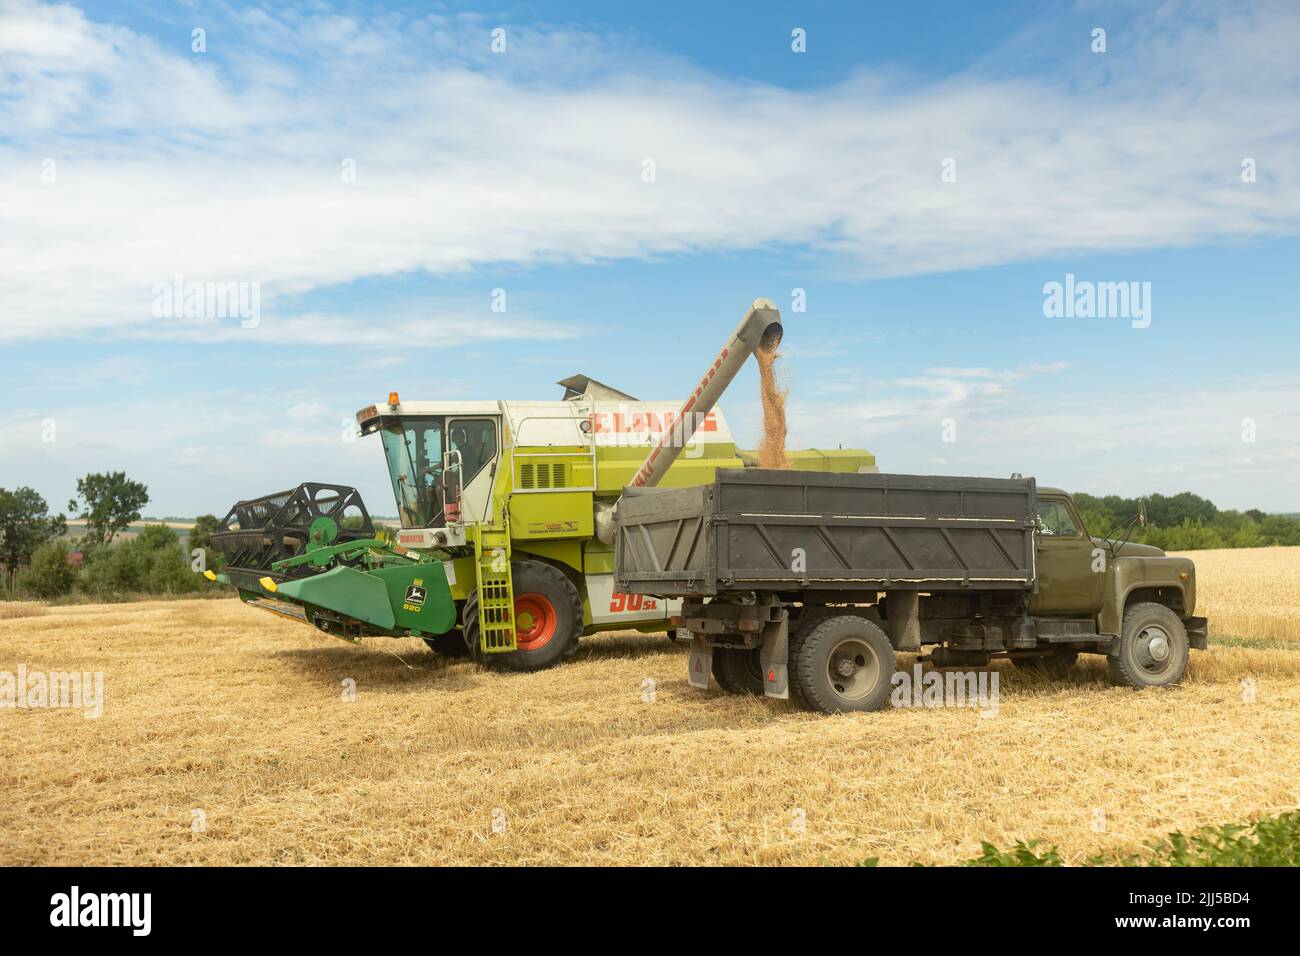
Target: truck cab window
1054, 519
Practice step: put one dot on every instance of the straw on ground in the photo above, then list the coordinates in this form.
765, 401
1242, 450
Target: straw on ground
214, 707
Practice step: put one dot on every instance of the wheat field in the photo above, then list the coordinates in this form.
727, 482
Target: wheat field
225, 738
1249, 593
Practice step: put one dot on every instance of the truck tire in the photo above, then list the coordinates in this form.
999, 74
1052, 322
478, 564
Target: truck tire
843, 663
1152, 648
548, 619
1053, 663
738, 671
799, 628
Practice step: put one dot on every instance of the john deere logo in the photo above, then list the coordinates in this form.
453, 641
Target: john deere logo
416, 595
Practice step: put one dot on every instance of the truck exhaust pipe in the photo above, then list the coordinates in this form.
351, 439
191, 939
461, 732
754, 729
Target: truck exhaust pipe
759, 329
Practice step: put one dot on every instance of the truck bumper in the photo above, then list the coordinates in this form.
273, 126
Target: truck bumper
1198, 632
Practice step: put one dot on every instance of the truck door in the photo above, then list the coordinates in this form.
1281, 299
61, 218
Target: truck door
476, 442
1067, 583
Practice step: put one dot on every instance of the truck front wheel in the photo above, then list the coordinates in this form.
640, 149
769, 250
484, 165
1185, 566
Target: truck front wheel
738, 671
843, 663
1152, 648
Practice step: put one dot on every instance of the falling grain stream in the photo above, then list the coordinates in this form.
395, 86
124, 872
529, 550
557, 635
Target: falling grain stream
771, 451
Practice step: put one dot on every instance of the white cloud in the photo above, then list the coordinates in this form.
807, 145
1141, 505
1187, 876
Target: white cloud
229, 169
305, 411
1165, 435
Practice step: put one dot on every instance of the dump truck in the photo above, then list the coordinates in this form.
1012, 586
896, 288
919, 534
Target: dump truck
802, 585
505, 549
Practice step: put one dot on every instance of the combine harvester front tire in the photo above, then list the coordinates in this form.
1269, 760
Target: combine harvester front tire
451, 644
548, 619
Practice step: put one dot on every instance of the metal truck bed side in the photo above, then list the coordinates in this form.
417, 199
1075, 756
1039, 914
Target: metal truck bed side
790, 530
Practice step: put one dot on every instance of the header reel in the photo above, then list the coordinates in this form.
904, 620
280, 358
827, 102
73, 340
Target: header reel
258, 533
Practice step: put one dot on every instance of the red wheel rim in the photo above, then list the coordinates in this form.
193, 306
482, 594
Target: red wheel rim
535, 621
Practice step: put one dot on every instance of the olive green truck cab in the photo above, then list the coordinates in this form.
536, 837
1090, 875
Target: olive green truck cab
805, 585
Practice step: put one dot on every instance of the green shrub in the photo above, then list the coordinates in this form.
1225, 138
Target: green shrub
49, 575
1022, 854
1273, 841
153, 563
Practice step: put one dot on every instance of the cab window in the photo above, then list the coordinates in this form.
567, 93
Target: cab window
1054, 519
476, 440
413, 447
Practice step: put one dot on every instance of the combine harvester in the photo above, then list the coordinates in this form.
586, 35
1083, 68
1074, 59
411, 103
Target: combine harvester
506, 545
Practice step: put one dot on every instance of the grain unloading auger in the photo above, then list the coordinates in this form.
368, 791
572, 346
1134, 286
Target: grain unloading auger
506, 545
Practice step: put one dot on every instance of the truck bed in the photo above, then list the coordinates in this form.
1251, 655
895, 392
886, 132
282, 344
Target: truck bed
747, 529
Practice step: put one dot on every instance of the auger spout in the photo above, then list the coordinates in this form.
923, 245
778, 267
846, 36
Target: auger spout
760, 328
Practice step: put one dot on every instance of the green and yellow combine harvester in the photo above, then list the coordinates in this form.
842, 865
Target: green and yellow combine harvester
506, 545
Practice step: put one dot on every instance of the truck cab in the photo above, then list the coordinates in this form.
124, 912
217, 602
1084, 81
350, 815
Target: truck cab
1079, 573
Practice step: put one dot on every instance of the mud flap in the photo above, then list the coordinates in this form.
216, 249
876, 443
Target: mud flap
701, 663
904, 619
774, 655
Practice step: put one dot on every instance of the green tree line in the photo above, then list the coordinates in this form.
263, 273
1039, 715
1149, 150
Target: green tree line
35, 552
1186, 522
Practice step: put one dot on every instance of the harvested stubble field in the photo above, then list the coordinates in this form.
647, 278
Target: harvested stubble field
215, 707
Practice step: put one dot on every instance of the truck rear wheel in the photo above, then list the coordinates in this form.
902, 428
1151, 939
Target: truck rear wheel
843, 663
1152, 648
738, 671
548, 619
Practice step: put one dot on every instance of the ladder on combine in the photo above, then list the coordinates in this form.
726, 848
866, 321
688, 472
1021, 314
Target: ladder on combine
496, 596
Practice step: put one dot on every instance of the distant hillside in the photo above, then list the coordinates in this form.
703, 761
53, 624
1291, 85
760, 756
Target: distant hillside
182, 527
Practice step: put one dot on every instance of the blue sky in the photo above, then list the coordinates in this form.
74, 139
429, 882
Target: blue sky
127, 158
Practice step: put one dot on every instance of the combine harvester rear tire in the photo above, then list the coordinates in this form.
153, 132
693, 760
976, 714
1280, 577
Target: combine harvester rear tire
548, 619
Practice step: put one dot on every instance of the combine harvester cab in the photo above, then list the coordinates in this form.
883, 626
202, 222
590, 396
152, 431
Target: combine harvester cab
505, 549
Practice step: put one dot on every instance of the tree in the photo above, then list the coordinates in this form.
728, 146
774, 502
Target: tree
201, 533
25, 525
108, 503
49, 575
1176, 510
201, 537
